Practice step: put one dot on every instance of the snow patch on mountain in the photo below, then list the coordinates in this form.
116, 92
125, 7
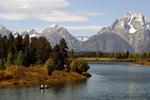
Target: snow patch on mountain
132, 29
136, 24
54, 25
83, 38
31, 32
15, 33
131, 22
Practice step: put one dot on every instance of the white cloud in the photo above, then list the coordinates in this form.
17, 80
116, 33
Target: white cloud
37, 9
13, 16
95, 14
86, 13
59, 16
91, 27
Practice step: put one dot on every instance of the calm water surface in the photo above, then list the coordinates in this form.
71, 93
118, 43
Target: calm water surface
110, 81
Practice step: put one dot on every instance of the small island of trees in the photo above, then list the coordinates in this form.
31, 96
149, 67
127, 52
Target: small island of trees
33, 60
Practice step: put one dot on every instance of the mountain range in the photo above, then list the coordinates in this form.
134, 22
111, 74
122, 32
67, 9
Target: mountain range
133, 28
131, 32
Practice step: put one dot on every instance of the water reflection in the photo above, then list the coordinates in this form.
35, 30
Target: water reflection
58, 87
77, 83
110, 81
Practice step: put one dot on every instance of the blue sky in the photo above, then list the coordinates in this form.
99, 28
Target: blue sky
80, 17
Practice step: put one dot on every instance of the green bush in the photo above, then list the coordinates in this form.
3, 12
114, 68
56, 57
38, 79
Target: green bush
22, 60
50, 66
79, 66
9, 60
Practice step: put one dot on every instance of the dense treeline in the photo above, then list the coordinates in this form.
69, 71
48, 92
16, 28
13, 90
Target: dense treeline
116, 55
23, 51
28, 51
100, 54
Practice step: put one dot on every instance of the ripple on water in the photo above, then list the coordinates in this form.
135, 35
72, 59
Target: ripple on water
109, 81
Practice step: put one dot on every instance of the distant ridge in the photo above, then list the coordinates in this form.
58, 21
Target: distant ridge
131, 32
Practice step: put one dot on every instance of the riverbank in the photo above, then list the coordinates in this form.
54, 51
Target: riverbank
22, 76
106, 59
145, 62
142, 62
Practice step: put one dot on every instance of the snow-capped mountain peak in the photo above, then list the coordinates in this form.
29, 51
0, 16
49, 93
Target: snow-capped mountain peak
55, 33
31, 32
131, 15
15, 33
54, 25
131, 22
55, 29
136, 21
134, 28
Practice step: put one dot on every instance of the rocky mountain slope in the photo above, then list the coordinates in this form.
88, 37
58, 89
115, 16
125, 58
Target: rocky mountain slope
55, 33
134, 28
4, 31
107, 43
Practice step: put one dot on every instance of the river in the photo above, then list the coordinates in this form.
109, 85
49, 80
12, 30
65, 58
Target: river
110, 81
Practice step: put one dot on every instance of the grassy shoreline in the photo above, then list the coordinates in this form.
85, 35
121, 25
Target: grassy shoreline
36, 75
137, 61
22, 76
106, 59
142, 62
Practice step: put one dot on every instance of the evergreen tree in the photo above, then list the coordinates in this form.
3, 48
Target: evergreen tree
127, 54
25, 47
2, 65
32, 50
59, 65
48, 50
43, 50
17, 45
10, 44
56, 56
9, 59
63, 51
3, 47
21, 59
6, 45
